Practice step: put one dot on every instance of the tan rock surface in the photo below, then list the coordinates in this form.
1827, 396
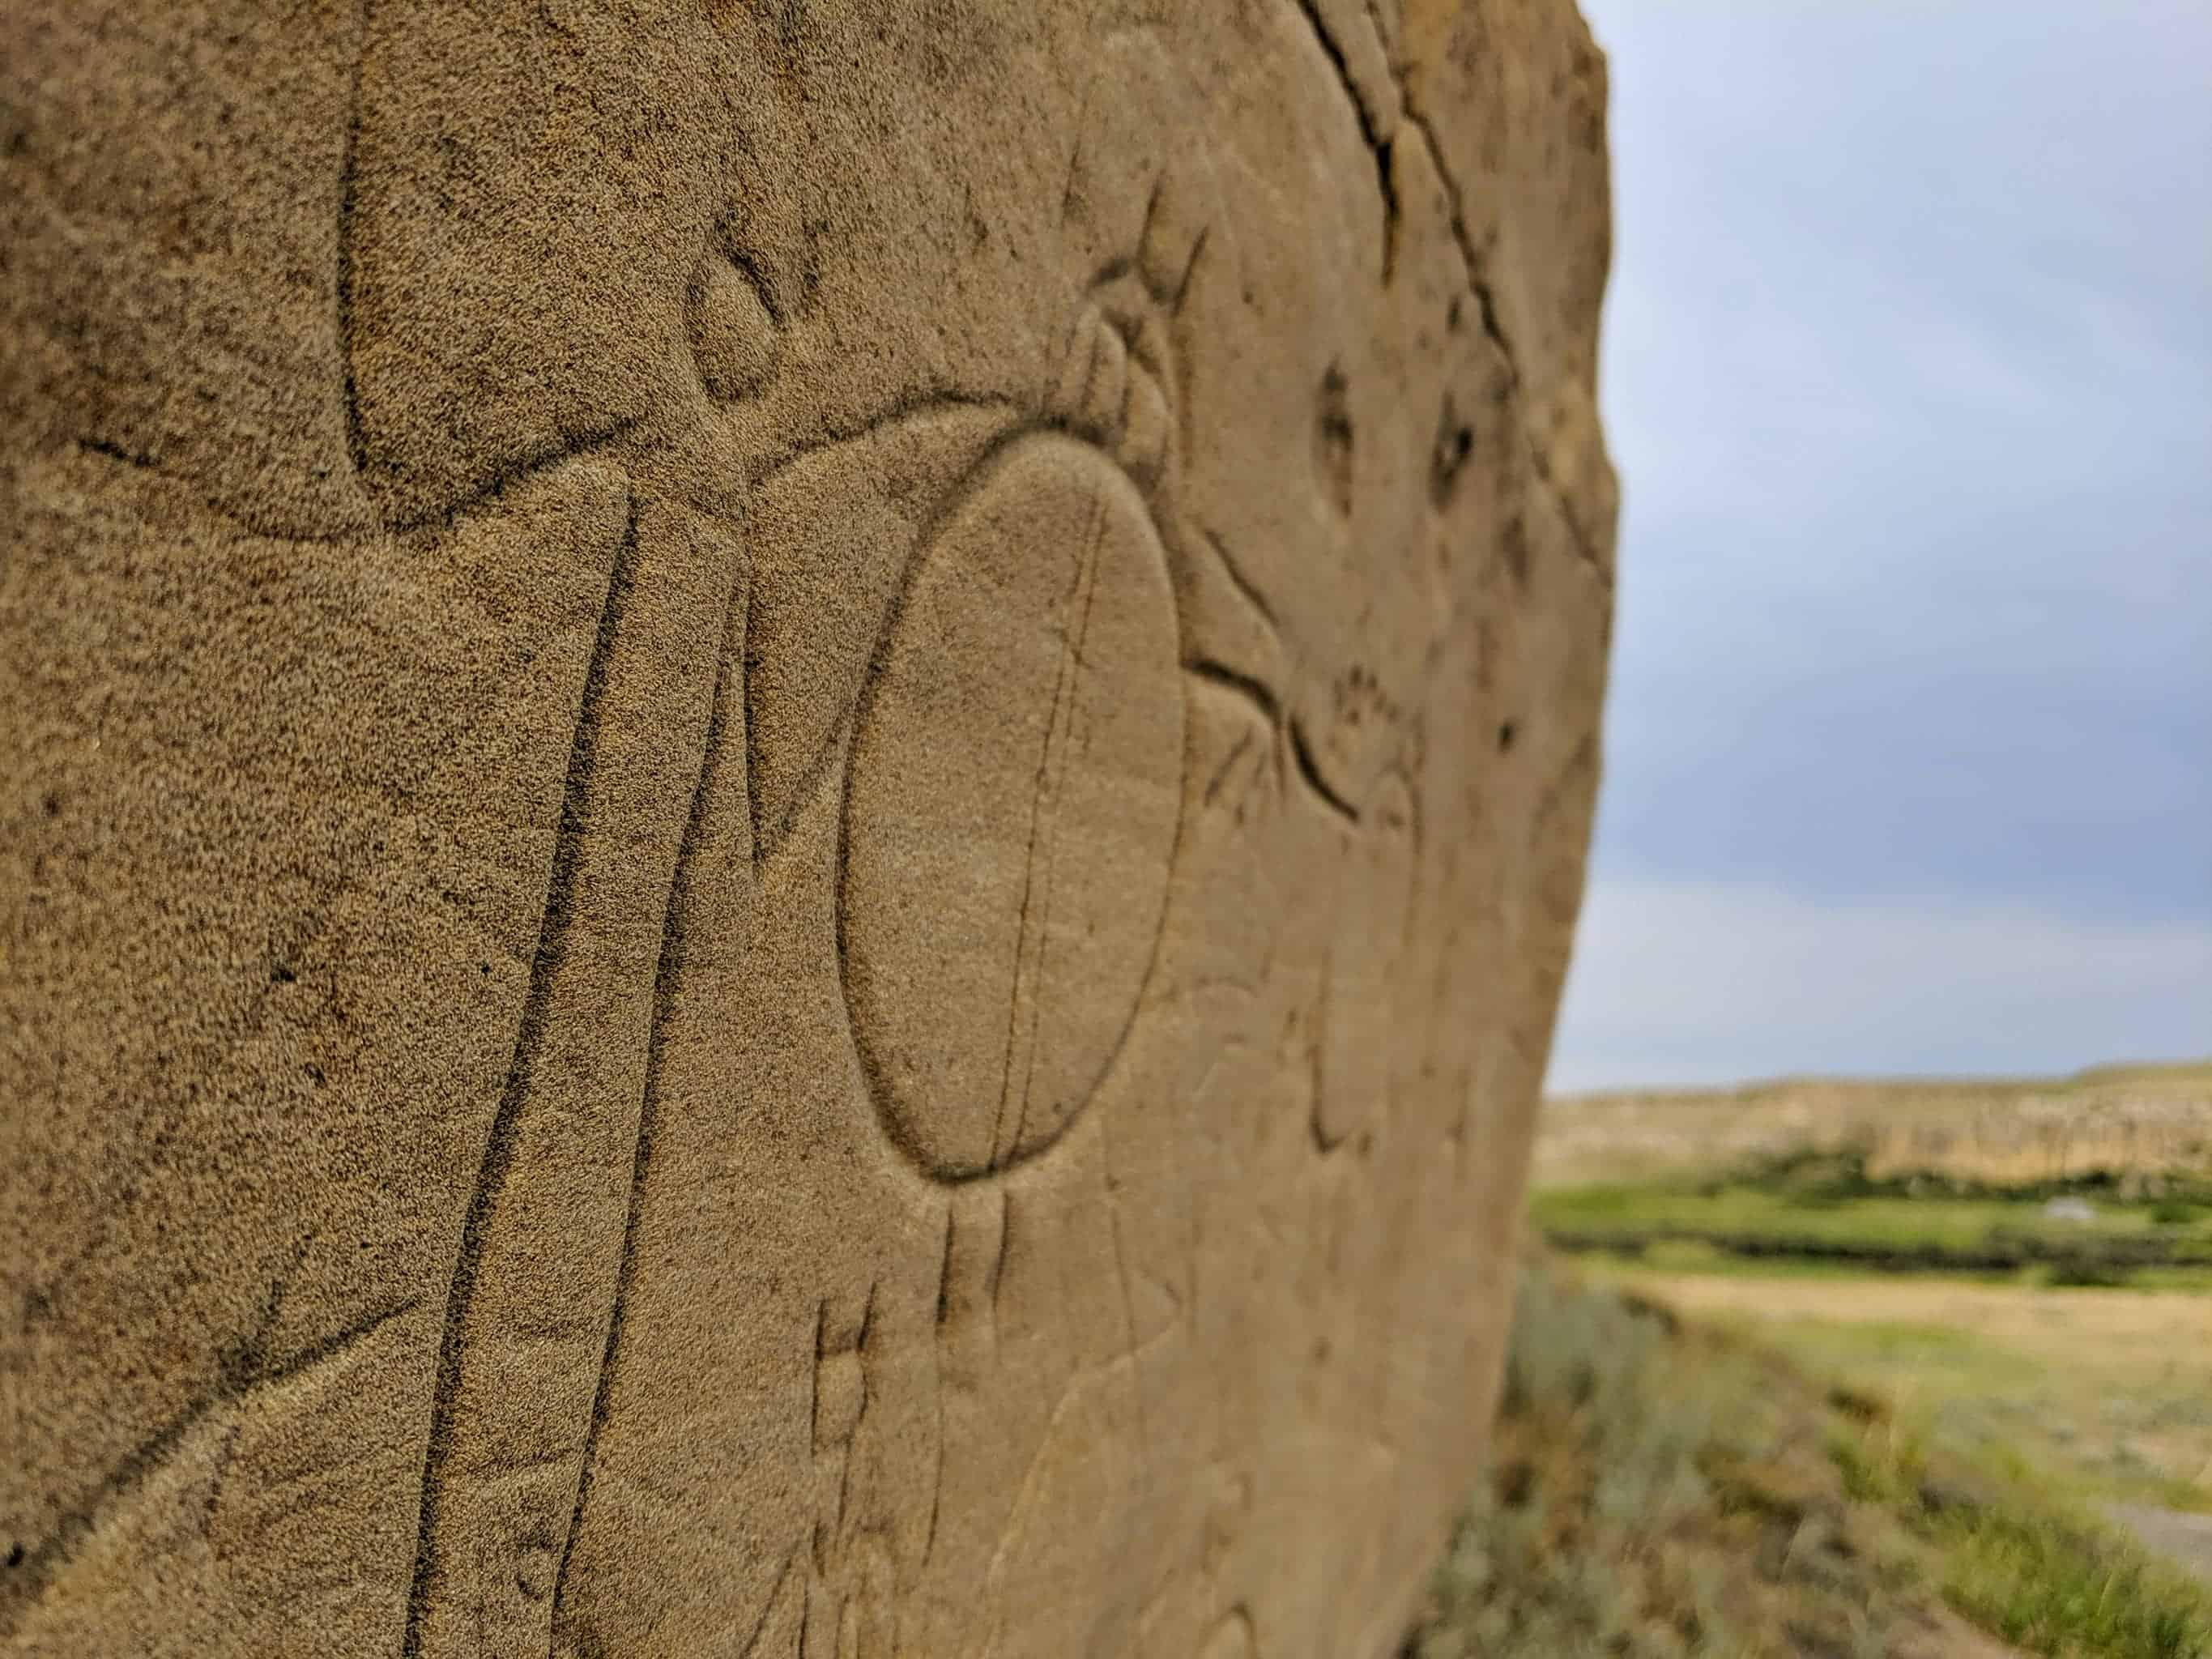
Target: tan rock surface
792, 795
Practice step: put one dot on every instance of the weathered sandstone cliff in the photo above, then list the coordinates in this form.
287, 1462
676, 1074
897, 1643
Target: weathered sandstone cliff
793, 793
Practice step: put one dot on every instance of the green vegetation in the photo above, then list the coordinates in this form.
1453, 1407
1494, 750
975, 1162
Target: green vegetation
1652, 1493
2103, 1392
1814, 1175
1947, 1301
1803, 1208
2018, 1560
2006, 1290
1664, 1488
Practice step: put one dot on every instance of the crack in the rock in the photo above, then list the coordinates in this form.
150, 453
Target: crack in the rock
1463, 238
1576, 532
1378, 143
1486, 304
1410, 115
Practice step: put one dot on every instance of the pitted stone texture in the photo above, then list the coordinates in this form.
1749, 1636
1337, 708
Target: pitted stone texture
794, 799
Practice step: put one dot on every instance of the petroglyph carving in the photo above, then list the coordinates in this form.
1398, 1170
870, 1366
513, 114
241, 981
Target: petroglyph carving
1364, 988
1016, 748
734, 339
1041, 814
519, 1372
796, 793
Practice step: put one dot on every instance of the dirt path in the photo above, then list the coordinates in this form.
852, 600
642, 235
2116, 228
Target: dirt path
1954, 1639
2183, 1538
2014, 1313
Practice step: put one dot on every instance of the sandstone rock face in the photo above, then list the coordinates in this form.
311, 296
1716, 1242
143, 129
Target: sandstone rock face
793, 796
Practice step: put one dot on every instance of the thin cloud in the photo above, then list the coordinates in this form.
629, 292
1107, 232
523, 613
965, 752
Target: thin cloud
1691, 982
1908, 369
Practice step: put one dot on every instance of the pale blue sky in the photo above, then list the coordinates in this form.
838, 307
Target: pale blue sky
1908, 373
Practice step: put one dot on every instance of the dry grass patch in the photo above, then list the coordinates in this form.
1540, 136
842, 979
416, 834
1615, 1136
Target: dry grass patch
1656, 1489
2108, 1391
1663, 1488
2147, 1122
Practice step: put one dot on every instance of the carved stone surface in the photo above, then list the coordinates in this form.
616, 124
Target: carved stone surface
792, 797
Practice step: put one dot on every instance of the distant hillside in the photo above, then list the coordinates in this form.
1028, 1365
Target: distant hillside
2139, 1124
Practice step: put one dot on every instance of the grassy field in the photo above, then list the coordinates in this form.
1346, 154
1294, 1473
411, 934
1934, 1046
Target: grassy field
2107, 1394
1782, 1214
2063, 1310
1961, 1332
1663, 1486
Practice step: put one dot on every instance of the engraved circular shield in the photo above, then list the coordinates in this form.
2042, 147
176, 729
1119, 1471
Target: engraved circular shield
1011, 810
